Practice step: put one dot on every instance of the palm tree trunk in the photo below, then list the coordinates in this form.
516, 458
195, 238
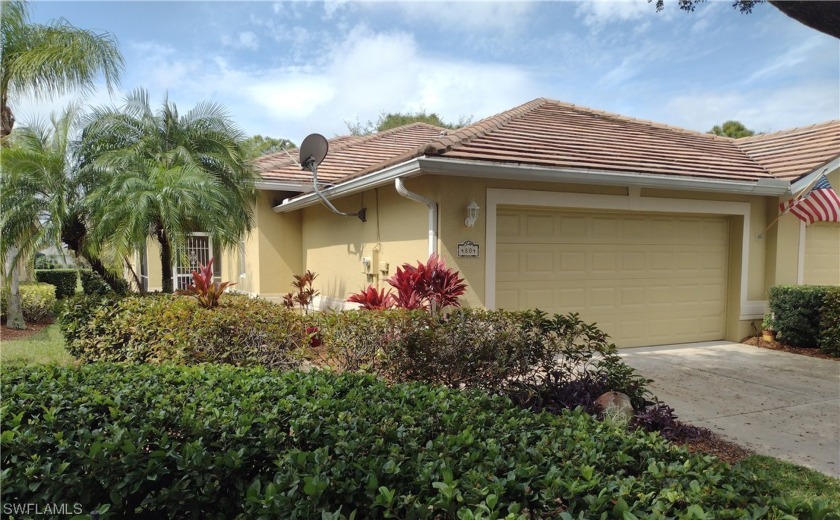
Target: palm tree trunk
14, 313
166, 263
7, 119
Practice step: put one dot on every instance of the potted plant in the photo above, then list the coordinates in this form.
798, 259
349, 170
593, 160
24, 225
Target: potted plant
768, 328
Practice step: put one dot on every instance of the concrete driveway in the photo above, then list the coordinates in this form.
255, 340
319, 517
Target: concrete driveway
778, 404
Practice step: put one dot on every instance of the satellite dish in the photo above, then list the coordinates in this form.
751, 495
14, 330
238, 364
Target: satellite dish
313, 150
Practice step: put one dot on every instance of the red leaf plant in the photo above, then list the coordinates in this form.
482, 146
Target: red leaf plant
204, 289
373, 300
432, 286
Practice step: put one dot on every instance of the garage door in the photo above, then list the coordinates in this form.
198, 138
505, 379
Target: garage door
645, 279
822, 254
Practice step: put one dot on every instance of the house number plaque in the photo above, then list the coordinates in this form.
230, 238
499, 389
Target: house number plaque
468, 248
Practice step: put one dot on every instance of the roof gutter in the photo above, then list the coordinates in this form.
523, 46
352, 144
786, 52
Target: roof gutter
527, 172
433, 211
359, 184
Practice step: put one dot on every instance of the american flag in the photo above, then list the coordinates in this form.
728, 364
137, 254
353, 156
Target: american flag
820, 204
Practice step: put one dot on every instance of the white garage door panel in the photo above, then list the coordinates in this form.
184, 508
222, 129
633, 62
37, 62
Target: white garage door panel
822, 254
643, 279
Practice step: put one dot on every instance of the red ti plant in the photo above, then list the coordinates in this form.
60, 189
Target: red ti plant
204, 289
373, 300
305, 292
432, 286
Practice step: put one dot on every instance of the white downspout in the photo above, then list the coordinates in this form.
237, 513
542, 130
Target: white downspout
433, 212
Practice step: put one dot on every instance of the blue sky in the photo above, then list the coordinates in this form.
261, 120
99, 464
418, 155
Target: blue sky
287, 69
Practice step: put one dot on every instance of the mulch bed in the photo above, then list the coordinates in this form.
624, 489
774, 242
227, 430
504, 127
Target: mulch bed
758, 341
714, 444
7, 334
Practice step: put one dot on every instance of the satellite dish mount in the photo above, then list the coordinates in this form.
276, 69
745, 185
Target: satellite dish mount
312, 151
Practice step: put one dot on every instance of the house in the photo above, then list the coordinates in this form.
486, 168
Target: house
658, 234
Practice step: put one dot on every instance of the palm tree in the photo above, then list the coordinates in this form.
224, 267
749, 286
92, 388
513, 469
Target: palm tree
44, 61
43, 193
49, 60
168, 175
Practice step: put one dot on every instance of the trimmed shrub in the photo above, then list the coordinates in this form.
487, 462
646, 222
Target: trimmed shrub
830, 323
529, 355
92, 284
64, 280
220, 443
241, 331
796, 313
37, 301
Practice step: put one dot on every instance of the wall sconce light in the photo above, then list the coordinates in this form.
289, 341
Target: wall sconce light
472, 214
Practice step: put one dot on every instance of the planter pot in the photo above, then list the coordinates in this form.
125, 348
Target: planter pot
768, 335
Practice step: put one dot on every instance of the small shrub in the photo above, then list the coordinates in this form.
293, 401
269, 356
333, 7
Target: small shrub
37, 301
93, 284
204, 289
661, 418
796, 313
241, 331
304, 293
830, 323
64, 280
371, 299
45, 262
222, 443
431, 285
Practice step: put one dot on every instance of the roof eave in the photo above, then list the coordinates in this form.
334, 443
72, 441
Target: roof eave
268, 184
365, 182
526, 172
805, 180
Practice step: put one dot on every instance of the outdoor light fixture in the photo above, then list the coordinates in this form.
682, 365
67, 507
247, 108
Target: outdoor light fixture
472, 214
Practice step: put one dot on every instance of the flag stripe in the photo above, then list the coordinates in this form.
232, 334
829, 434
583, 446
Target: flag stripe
820, 204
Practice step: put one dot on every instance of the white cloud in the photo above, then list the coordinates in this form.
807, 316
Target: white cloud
760, 110
471, 16
245, 40
599, 12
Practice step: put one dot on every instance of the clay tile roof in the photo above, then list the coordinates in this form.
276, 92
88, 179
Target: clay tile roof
791, 154
350, 155
555, 134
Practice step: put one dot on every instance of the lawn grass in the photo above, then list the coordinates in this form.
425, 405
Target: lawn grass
796, 481
47, 346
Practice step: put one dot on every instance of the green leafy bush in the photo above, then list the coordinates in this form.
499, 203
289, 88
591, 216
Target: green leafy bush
796, 313
64, 280
830, 323
241, 331
37, 301
92, 284
220, 443
497, 351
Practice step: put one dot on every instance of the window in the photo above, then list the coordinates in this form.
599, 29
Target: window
242, 270
198, 254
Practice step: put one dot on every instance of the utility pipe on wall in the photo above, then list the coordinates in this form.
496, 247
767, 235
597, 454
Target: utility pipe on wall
433, 211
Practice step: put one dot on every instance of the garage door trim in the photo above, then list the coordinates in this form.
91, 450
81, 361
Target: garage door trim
631, 203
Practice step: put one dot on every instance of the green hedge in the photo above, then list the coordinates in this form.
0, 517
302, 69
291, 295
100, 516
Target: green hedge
796, 313
93, 284
65, 280
241, 331
164, 441
830, 323
37, 301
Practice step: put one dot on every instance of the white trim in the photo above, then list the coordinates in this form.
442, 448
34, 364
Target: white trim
800, 263
283, 185
527, 172
803, 182
496, 197
365, 182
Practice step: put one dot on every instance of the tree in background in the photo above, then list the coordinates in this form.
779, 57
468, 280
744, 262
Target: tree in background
49, 60
391, 120
257, 145
820, 15
167, 175
733, 129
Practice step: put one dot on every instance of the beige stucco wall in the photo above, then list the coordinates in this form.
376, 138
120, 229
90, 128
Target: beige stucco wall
396, 232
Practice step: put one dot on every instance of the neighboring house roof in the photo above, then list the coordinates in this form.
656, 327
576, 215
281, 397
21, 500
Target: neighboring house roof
349, 154
554, 134
792, 153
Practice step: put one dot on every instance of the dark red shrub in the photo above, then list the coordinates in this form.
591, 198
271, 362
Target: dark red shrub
373, 300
